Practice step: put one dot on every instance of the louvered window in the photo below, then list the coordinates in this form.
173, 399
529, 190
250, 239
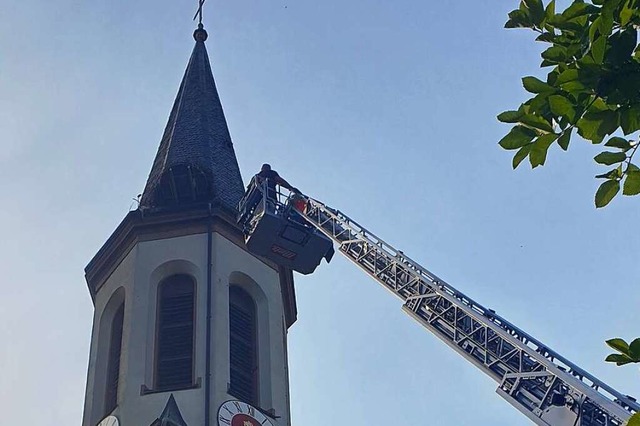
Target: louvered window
174, 356
243, 346
113, 366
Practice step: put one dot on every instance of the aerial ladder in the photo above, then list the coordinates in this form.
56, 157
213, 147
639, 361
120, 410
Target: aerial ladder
297, 231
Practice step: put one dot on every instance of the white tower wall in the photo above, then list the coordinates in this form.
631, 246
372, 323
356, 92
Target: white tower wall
135, 279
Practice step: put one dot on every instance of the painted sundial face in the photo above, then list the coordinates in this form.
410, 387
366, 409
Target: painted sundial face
109, 421
237, 413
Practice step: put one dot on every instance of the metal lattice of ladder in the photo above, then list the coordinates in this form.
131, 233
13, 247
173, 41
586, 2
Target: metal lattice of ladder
543, 385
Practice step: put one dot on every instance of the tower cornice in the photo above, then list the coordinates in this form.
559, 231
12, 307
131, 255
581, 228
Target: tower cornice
141, 225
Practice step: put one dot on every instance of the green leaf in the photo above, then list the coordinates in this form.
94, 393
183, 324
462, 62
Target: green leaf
510, 116
598, 48
618, 344
521, 155
519, 18
536, 10
536, 122
573, 86
518, 137
630, 119
617, 142
569, 28
634, 420
546, 37
555, 54
610, 122
598, 105
513, 24
606, 24
550, 10
631, 184
610, 158
595, 125
605, 193
611, 174
634, 349
538, 104
562, 106
579, 9
567, 75
594, 30
588, 129
619, 359
625, 14
533, 85
538, 154
563, 140
556, 20
609, 6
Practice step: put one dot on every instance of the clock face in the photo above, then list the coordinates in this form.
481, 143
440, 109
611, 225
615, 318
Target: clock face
109, 421
237, 413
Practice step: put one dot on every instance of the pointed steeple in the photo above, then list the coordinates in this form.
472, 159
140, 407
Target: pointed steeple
195, 162
171, 415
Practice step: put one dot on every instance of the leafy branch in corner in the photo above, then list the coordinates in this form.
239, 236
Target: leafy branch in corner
593, 88
627, 353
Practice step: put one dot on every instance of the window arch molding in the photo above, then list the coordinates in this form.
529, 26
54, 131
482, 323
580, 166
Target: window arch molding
263, 339
106, 396
173, 267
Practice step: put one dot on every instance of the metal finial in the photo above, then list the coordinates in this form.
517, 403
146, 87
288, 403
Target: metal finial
200, 34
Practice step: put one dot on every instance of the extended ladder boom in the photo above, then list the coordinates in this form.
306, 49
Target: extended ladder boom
539, 382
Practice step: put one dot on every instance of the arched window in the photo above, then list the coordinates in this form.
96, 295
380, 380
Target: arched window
243, 346
113, 363
175, 333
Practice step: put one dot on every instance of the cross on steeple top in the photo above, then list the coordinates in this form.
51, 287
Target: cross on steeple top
199, 12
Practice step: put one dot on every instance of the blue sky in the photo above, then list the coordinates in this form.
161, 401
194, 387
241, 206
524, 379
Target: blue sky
385, 110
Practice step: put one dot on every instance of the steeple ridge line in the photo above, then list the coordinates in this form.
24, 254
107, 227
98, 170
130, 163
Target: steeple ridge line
179, 99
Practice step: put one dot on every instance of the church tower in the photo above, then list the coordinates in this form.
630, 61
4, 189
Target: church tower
189, 328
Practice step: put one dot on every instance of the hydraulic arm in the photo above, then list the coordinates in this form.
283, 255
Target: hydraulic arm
539, 382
